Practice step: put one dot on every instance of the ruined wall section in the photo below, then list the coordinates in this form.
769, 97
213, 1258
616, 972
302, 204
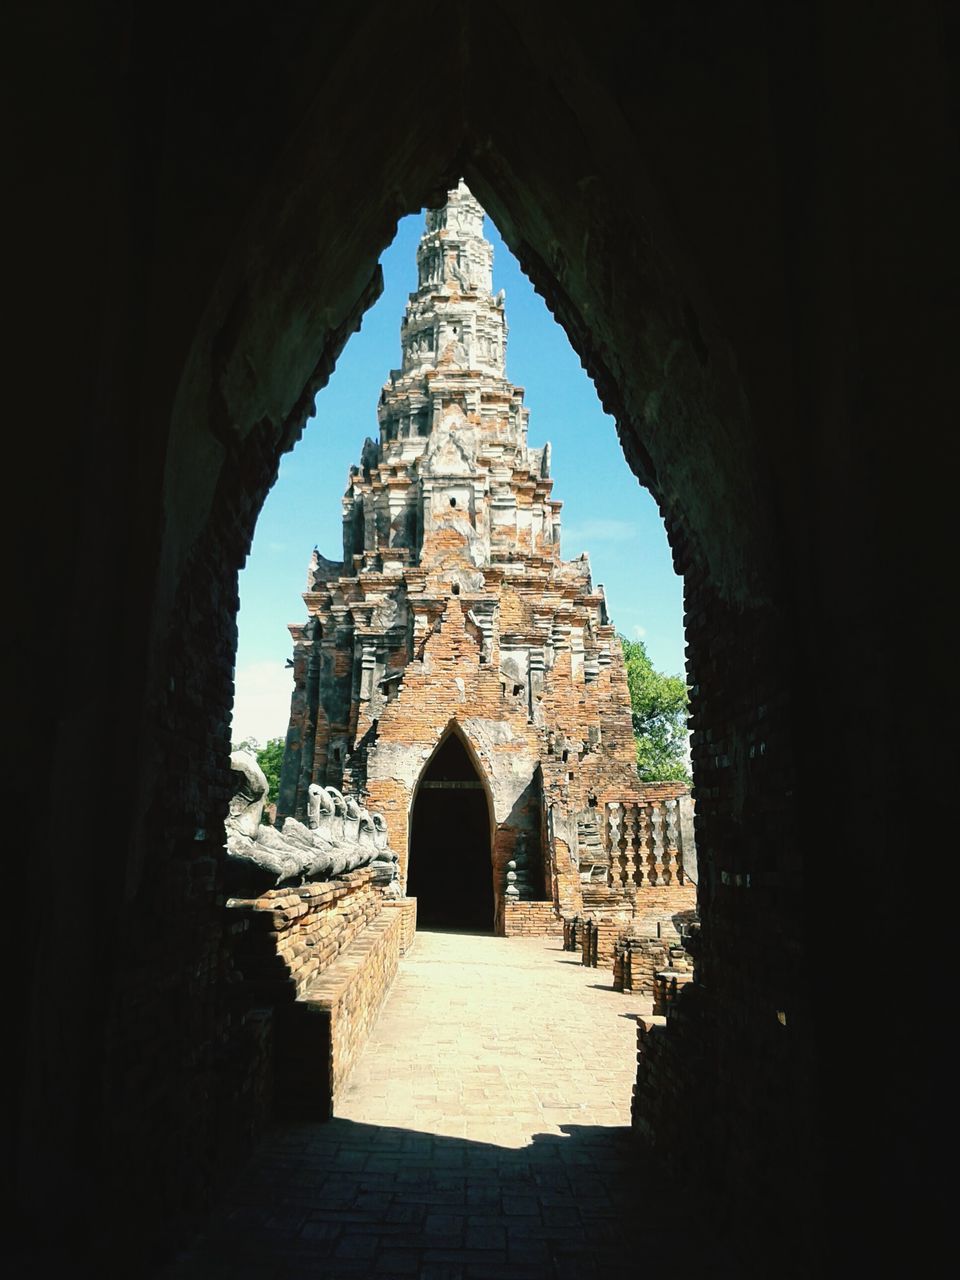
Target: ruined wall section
318, 959
590, 753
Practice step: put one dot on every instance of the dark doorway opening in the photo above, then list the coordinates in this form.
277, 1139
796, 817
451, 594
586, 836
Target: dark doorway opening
450, 871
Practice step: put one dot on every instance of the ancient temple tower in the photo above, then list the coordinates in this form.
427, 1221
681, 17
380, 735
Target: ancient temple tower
454, 669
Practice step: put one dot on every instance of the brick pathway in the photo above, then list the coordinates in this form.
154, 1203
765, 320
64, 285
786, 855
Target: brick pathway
483, 1133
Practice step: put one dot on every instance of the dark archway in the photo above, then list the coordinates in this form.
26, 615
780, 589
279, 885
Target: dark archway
741, 222
450, 872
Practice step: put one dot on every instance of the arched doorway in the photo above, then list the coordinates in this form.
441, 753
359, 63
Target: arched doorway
450, 871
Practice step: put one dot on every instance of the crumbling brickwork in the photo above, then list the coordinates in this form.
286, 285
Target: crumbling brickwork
531, 920
287, 937
319, 959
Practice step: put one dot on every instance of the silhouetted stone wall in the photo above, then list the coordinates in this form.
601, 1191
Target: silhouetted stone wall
740, 216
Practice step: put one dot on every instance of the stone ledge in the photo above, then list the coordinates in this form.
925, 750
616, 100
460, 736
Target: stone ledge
406, 908
647, 1022
322, 1033
667, 984
325, 990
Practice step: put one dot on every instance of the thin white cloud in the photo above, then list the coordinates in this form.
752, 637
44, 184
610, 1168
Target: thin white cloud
599, 531
261, 705
639, 633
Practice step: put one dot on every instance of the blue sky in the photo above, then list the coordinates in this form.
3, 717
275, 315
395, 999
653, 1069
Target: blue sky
605, 513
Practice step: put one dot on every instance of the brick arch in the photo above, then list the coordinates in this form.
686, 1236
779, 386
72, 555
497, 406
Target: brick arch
665, 176
264, 338
652, 339
449, 685
261, 334
475, 752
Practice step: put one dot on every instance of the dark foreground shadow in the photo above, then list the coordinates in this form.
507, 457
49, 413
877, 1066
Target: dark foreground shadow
347, 1199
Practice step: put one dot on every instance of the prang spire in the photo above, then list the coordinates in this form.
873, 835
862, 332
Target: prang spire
452, 473
452, 320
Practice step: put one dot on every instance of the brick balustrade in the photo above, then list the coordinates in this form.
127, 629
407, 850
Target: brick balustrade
650, 840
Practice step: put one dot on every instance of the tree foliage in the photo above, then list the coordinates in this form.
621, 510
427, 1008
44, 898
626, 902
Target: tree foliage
269, 758
659, 706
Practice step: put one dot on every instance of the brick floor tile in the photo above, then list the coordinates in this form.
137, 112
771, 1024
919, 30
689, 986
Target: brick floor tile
484, 1133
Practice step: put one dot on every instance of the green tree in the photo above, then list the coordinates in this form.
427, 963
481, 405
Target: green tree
269, 758
659, 705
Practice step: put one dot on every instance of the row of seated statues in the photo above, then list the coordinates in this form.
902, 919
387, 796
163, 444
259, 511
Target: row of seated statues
340, 834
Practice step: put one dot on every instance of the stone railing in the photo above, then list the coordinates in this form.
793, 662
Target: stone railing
647, 840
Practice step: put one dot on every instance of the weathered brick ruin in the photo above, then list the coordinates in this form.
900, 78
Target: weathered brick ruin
744, 216
454, 670
318, 959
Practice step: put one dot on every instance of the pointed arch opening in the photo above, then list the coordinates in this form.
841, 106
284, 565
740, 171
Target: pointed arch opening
449, 866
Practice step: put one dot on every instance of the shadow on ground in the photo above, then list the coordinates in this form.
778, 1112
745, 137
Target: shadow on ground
347, 1199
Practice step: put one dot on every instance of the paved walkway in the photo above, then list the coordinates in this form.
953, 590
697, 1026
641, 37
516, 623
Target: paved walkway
483, 1133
